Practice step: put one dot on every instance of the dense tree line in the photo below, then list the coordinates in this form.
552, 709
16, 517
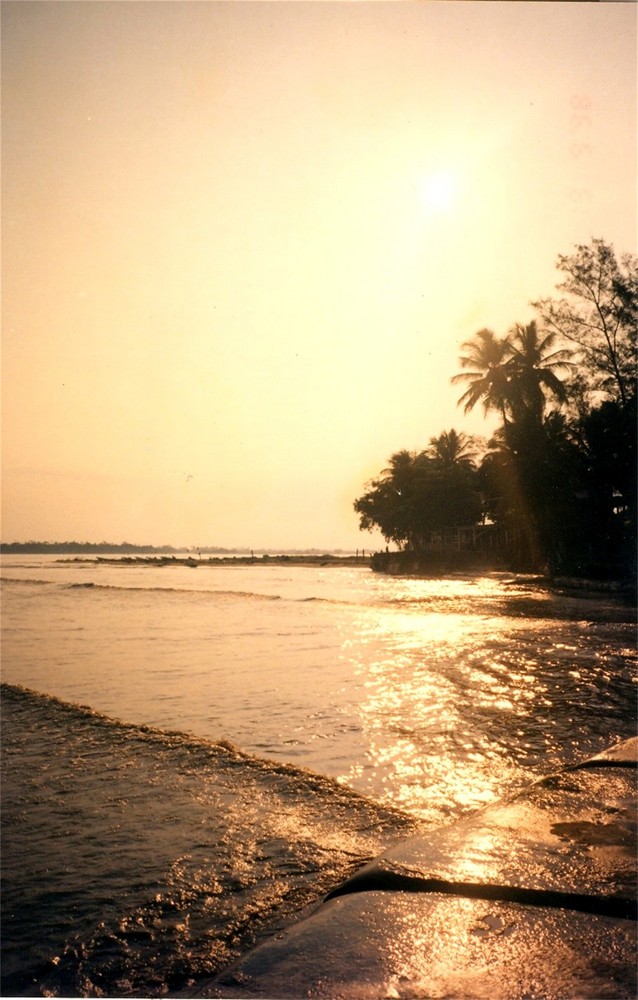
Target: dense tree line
88, 548
556, 483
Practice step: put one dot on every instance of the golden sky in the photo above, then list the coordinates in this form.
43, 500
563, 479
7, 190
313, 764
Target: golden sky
243, 242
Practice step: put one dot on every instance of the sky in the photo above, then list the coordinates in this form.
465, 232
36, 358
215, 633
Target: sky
243, 243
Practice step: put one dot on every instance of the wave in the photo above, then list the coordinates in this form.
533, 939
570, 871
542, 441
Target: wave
528, 602
402, 602
91, 585
137, 859
239, 594
202, 749
246, 595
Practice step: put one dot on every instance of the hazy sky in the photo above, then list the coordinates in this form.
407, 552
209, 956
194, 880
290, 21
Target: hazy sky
243, 242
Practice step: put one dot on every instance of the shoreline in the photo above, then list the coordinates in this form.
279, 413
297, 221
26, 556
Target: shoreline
624, 590
243, 560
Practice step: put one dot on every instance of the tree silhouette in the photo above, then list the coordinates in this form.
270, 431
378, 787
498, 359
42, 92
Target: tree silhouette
558, 480
518, 374
420, 495
451, 448
533, 367
486, 357
598, 316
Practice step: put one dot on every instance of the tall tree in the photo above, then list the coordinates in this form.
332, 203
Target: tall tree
518, 374
533, 366
486, 357
453, 448
599, 316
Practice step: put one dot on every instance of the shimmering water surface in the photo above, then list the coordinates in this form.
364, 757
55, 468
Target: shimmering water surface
200, 754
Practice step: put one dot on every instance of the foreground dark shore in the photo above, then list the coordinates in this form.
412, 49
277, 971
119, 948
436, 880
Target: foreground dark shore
533, 896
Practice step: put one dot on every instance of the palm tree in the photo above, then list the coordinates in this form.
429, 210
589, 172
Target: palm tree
511, 374
487, 358
451, 448
401, 469
515, 375
532, 368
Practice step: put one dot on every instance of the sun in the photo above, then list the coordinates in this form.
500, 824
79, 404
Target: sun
438, 191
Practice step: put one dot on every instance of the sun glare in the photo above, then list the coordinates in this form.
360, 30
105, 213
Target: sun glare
438, 191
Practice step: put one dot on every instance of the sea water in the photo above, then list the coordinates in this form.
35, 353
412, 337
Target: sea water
193, 757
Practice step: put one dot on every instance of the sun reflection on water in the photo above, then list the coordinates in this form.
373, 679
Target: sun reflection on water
450, 682
413, 717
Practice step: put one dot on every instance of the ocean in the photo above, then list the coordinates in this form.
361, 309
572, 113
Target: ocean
193, 757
